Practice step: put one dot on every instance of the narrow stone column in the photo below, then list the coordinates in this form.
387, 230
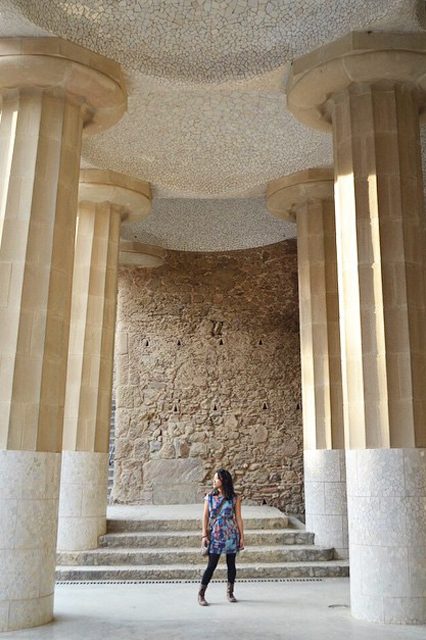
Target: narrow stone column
369, 89
106, 200
307, 197
51, 90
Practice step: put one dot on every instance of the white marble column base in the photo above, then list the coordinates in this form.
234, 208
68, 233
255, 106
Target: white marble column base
325, 498
387, 534
83, 500
29, 492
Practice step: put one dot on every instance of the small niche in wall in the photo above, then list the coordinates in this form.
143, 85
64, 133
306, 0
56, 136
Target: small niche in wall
176, 407
299, 406
264, 406
178, 343
221, 342
260, 342
217, 327
145, 342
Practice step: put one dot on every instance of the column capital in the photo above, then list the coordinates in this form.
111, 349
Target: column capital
357, 58
58, 65
138, 254
130, 195
284, 195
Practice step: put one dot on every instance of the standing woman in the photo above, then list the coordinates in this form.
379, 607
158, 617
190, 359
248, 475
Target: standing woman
222, 531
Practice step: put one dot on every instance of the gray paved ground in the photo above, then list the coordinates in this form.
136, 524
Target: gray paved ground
271, 611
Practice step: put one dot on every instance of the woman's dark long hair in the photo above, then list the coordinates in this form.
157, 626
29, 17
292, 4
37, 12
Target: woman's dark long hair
227, 484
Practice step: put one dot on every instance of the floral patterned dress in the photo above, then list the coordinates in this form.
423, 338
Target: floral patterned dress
224, 535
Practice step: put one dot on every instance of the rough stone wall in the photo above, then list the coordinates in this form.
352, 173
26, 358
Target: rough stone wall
208, 375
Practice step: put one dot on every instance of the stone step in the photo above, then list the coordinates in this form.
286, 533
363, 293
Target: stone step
187, 524
148, 539
330, 569
169, 556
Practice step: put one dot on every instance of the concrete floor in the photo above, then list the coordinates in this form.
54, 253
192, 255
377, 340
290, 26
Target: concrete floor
265, 611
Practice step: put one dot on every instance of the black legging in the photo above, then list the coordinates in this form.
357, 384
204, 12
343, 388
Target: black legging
213, 560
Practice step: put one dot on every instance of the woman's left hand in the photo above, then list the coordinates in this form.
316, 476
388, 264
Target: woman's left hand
241, 546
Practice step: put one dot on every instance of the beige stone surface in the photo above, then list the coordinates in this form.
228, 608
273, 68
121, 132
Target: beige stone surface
207, 372
106, 200
308, 197
387, 534
29, 492
359, 57
83, 500
40, 138
131, 196
48, 88
285, 195
88, 79
381, 252
141, 255
372, 90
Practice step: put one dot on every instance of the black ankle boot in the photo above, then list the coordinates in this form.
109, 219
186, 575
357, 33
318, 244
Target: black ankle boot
201, 599
230, 592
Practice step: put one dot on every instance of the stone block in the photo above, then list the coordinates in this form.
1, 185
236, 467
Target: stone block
178, 494
198, 450
259, 435
167, 451
174, 472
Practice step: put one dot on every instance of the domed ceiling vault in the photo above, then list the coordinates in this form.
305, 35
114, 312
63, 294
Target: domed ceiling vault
207, 122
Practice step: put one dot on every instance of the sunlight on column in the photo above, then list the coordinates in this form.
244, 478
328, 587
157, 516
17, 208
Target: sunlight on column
376, 315
347, 254
8, 164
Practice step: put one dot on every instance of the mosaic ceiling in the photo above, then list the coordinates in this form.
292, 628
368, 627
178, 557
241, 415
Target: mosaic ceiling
207, 123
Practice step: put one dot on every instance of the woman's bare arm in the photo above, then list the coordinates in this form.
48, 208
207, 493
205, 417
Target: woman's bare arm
206, 519
239, 520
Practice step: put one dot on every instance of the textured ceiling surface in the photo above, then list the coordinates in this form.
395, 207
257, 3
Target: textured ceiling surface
207, 121
219, 224
210, 40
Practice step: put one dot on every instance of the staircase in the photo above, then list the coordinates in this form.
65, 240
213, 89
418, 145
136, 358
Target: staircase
160, 548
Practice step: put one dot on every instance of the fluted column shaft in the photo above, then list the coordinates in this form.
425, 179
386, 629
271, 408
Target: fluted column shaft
382, 253
106, 199
89, 375
47, 100
40, 143
319, 326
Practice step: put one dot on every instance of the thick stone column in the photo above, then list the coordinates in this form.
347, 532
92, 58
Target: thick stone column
106, 200
369, 90
307, 197
51, 90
